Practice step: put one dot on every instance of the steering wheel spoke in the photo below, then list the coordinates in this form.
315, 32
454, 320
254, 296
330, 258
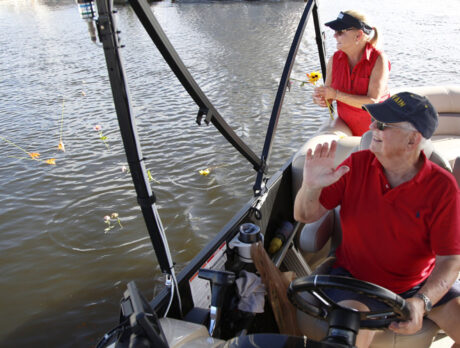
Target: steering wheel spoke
323, 305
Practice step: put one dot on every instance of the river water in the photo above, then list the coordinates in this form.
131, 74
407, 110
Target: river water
63, 273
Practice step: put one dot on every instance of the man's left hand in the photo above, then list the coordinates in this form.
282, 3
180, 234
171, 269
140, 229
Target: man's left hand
417, 310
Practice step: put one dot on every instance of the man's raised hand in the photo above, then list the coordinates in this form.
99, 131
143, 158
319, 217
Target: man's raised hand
319, 170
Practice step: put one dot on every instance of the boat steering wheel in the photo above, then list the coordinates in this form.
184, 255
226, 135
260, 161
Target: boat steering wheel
374, 319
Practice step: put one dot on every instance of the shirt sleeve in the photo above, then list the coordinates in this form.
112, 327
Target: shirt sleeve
445, 225
332, 195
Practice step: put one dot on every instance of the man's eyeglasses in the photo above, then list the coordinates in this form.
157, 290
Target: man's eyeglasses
343, 31
382, 125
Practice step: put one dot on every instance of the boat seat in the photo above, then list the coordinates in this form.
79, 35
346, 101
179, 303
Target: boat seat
431, 150
449, 147
446, 138
456, 170
184, 334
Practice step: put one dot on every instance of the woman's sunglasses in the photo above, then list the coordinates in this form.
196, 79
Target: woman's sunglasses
343, 31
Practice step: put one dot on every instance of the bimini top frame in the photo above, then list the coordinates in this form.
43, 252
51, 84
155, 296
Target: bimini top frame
310, 8
108, 35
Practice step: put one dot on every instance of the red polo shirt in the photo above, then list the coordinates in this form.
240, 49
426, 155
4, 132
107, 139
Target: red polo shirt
392, 235
354, 81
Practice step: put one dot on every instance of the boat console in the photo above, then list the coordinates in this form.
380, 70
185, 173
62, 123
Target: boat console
140, 326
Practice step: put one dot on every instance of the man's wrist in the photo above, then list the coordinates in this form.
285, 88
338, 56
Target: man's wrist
426, 300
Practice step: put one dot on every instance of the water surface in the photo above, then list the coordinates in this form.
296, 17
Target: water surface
62, 274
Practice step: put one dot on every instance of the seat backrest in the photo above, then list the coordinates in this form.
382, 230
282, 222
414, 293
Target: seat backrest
345, 146
445, 99
428, 149
366, 140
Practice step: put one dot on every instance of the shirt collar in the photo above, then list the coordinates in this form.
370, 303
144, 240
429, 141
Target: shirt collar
367, 51
425, 170
366, 56
419, 177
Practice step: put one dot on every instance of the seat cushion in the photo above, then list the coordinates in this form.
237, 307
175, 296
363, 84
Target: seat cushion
448, 147
449, 124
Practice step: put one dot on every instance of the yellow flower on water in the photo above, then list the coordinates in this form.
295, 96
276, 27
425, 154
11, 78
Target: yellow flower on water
114, 215
149, 175
204, 172
34, 155
313, 77
61, 146
151, 178
51, 161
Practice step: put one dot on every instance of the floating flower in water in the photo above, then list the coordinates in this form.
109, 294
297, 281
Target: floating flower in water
61, 143
115, 216
151, 178
98, 128
108, 219
83, 93
204, 172
207, 171
124, 169
32, 155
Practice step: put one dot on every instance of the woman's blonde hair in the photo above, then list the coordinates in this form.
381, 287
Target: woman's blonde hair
374, 39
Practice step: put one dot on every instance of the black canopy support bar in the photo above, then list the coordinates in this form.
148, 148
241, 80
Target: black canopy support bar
309, 8
109, 39
156, 33
321, 47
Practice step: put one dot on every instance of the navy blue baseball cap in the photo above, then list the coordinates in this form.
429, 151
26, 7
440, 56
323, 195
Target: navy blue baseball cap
406, 107
346, 21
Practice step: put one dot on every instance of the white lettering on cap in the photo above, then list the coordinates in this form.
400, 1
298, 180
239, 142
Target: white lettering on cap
340, 15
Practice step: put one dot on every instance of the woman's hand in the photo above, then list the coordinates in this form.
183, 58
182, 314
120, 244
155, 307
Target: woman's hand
320, 94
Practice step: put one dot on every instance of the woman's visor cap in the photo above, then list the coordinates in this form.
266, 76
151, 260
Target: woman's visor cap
346, 21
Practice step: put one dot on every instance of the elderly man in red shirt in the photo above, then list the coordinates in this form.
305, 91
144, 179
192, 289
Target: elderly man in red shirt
400, 215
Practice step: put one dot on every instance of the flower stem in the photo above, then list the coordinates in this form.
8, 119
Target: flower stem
103, 139
329, 107
20, 148
62, 121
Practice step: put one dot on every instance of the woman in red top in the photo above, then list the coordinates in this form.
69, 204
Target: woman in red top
357, 73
